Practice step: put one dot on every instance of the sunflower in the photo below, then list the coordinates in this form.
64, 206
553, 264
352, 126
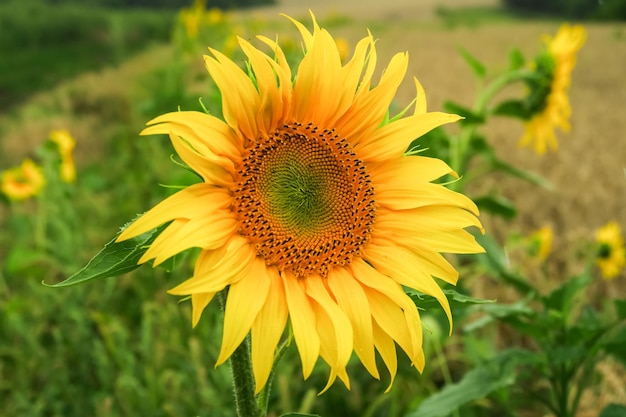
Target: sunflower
540, 243
23, 182
65, 143
611, 256
309, 210
548, 102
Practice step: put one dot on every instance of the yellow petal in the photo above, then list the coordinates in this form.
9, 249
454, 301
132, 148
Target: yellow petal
392, 140
212, 173
210, 231
207, 134
267, 329
302, 321
192, 202
245, 299
391, 308
198, 304
369, 107
270, 106
387, 349
337, 338
219, 268
352, 300
240, 99
405, 171
420, 98
421, 195
328, 348
406, 269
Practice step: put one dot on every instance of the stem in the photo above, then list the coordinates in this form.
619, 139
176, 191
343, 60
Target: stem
243, 378
498, 84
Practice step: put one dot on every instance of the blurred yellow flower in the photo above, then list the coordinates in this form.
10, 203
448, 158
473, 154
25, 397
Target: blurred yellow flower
541, 243
213, 16
344, 48
66, 143
611, 256
309, 211
22, 182
553, 110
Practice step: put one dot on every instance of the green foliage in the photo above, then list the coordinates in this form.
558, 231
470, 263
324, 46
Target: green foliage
48, 43
571, 9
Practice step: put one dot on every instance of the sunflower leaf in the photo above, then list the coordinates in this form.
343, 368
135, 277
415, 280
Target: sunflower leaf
516, 59
299, 415
116, 258
479, 69
520, 173
614, 410
496, 204
469, 116
499, 372
427, 302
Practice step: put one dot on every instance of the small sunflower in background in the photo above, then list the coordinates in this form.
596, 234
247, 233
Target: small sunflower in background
22, 182
540, 243
65, 144
548, 104
309, 209
611, 256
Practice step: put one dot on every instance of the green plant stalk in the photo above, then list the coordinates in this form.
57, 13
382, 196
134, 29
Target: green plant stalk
459, 156
243, 378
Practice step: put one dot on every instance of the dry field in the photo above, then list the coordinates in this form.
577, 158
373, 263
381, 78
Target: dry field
588, 170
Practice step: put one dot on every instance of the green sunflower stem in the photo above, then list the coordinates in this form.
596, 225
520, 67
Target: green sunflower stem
243, 378
460, 144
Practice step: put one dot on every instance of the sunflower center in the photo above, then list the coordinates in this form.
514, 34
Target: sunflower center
304, 199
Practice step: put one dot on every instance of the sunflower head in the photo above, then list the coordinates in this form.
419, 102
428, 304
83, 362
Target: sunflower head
547, 103
23, 182
309, 210
610, 255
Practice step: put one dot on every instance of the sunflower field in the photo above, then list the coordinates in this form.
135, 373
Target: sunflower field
401, 209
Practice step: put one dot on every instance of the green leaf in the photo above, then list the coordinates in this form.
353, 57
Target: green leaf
511, 108
477, 67
614, 410
469, 116
520, 173
496, 204
620, 308
116, 258
499, 372
427, 302
496, 311
516, 59
562, 298
497, 263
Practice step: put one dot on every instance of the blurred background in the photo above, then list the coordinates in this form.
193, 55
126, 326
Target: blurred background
101, 69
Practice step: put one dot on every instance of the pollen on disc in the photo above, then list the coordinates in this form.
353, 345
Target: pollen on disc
304, 199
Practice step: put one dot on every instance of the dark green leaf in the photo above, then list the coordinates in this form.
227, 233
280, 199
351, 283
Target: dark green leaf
497, 263
561, 299
511, 108
116, 258
615, 346
620, 308
516, 59
470, 117
497, 204
498, 311
500, 372
477, 67
427, 302
614, 410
